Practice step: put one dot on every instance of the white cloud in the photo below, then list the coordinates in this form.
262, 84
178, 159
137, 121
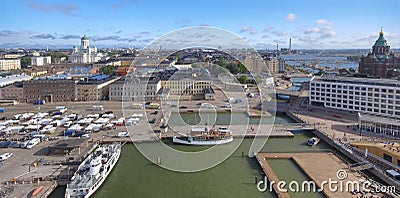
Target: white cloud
279, 33
328, 34
312, 30
290, 17
324, 22
248, 29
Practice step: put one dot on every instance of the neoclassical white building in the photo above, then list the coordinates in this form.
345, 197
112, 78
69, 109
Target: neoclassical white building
84, 54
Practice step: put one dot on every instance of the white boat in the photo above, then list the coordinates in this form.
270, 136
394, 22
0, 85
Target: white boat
205, 137
93, 171
313, 141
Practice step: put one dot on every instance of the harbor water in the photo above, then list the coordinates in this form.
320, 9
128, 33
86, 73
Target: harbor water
135, 176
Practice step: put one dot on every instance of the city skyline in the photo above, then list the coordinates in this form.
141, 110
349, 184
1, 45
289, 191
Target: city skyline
311, 24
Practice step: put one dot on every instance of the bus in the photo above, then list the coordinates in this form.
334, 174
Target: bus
154, 106
8, 102
393, 174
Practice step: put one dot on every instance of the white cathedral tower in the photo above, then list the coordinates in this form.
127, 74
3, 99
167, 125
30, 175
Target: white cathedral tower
84, 54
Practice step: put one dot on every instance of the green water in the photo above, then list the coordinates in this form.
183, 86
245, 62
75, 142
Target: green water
179, 119
135, 176
284, 169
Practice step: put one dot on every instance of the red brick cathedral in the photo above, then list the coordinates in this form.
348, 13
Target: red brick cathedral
380, 61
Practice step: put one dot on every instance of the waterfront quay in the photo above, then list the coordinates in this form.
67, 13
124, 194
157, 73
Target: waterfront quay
29, 168
328, 166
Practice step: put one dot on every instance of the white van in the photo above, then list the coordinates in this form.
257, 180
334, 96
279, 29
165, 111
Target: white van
97, 108
123, 134
32, 143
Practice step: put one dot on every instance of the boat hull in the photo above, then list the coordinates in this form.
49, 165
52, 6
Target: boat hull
313, 141
92, 189
176, 140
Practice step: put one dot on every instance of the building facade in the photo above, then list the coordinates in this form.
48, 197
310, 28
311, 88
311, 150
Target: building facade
49, 90
84, 54
272, 63
379, 97
93, 90
109, 62
40, 60
10, 64
380, 61
12, 92
127, 59
254, 63
135, 89
379, 125
186, 82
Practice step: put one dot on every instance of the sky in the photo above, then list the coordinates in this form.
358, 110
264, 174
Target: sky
312, 24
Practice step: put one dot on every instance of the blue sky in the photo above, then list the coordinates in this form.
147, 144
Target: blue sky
312, 24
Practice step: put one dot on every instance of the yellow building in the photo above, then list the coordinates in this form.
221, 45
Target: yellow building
387, 151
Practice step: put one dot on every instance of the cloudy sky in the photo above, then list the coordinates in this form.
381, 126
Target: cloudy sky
312, 24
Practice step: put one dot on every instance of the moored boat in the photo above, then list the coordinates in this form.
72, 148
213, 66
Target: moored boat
205, 137
93, 171
313, 141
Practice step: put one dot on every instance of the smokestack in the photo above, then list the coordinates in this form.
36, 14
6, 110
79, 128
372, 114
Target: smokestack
290, 45
277, 49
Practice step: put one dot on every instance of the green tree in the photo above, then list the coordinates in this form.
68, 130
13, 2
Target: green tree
25, 61
242, 79
109, 70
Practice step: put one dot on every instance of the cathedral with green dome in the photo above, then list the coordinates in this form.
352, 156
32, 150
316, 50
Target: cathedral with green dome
380, 61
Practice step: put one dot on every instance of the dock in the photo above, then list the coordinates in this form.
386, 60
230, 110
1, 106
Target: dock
328, 166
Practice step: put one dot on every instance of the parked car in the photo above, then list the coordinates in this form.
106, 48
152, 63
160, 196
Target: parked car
208, 105
39, 102
123, 134
14, 145
152, 121
5, 144
5, 156
32, 143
